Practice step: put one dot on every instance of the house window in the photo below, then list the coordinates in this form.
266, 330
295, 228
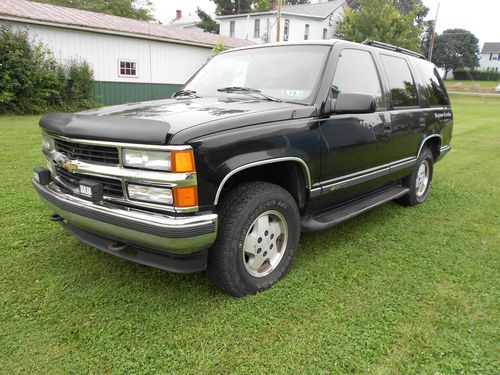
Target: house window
127, 68
325, 34
231, 28
286, 31
491, 56
306, 32
256, 28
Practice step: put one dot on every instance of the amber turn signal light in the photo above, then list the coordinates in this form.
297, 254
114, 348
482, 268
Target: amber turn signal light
186, 196
183, 161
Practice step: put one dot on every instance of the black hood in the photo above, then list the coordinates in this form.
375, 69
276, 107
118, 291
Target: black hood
156, 122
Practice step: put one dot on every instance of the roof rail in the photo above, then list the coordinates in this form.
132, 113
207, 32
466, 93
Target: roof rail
391, 47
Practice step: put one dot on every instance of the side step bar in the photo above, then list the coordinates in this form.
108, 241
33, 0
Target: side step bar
326, 219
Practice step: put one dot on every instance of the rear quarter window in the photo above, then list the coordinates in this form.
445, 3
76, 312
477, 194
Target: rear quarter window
401, 83
433, 84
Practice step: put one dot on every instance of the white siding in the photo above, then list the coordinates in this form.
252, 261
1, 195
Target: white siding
157, 62
486, 64
244, 26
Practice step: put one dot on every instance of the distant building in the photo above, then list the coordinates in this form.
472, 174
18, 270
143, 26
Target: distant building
490, 57
298, 22
132, 60
186, 22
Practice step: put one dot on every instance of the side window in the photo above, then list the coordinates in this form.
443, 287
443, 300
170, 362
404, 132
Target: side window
356, 72
433, 84
401, 84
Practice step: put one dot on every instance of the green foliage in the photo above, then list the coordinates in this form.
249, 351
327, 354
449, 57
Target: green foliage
32, 81
207, 23
261, 6
476, 75
227, 7
137, 9
218, 48
79, 85
456, 48
381, 20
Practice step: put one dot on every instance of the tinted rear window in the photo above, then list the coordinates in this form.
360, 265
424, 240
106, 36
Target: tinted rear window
433, 84
402, 86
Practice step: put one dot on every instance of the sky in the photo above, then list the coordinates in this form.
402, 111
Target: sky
478, 16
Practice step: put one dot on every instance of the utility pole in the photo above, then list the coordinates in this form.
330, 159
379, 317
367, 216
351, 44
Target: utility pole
434, 23
278, 22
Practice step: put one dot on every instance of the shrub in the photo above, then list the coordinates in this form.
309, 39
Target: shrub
79, 85
476, 75
32, 81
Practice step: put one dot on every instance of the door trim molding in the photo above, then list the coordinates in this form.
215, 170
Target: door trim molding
366, 175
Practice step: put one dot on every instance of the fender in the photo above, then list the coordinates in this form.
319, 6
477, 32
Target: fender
263, 162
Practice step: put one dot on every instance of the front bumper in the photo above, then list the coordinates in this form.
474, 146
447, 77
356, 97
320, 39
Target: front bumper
156, 238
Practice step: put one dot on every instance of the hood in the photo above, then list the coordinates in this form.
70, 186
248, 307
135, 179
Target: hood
156, 122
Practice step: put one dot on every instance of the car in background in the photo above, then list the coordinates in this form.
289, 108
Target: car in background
497, 89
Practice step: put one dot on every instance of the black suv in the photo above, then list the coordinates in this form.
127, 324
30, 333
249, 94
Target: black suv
262, 143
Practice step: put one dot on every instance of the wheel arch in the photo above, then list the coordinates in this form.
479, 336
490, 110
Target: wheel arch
271, 169
434, 142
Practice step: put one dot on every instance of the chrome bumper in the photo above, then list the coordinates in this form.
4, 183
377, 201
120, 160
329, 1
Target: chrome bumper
174, 235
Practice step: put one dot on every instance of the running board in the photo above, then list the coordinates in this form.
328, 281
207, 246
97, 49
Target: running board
326, 219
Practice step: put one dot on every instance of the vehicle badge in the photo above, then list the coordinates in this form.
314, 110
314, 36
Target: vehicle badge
69, 166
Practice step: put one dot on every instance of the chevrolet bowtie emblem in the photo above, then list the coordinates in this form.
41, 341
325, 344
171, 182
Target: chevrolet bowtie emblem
69, 166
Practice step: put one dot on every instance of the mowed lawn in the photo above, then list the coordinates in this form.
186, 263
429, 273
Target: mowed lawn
396, 290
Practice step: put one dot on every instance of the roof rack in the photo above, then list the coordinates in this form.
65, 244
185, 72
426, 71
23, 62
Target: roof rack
391, 47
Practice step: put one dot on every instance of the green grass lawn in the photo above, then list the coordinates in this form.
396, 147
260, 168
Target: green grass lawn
396, 290
472, 83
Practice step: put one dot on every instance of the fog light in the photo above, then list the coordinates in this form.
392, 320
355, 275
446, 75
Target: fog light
150, 194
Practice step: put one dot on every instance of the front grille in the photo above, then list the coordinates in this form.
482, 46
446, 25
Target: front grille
85, 152
110, 187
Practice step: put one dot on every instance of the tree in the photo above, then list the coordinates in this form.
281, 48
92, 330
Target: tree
137, 9
207, 23
456, 48
228, 7
382, 20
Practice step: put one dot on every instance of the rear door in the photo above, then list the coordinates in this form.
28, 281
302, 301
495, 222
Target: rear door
407, 118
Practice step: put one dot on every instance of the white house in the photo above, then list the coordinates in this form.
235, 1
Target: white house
132, 60
490, 57
189, 21
298, 22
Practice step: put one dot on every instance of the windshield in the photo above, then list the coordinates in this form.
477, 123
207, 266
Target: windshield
285, 73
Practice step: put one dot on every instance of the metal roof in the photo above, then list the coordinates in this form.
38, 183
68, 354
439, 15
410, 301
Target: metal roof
31, 12
491, 48
316, 10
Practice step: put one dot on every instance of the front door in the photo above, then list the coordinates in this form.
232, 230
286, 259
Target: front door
355, 146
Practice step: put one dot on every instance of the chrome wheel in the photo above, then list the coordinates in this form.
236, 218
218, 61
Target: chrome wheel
265, 243
423, 177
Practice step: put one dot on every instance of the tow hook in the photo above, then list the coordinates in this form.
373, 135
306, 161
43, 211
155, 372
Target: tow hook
56, 217
117, 246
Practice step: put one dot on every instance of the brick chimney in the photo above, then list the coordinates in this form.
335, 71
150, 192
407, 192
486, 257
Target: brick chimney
272, 4
178, 14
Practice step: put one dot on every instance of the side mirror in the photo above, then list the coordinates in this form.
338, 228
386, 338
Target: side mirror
354, 103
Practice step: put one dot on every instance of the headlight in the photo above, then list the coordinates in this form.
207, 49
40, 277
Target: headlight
47, 142
156, 160
150, 194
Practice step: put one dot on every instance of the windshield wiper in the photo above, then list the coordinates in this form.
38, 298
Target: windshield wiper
248, 91
185, 93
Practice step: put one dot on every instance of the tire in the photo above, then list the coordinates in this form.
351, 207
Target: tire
420, 180
258, 222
